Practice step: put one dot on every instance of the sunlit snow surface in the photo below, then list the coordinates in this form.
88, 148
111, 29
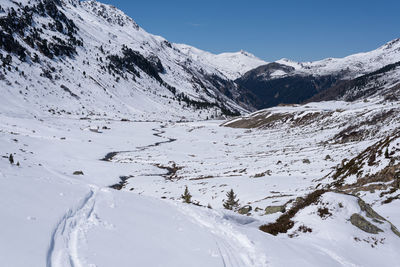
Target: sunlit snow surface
50, 217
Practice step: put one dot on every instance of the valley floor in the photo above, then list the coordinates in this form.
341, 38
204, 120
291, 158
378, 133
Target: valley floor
107, 193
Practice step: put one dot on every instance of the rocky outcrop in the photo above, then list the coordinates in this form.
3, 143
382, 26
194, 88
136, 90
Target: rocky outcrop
274, 209
360, 222
245, 210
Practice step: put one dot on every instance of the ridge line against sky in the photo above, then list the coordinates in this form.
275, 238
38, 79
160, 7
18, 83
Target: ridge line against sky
299, 30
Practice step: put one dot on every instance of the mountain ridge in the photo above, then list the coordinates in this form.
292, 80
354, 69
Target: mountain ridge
62, 44
128, 72
290, 82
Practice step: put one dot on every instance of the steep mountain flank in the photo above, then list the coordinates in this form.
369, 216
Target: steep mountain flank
90, 59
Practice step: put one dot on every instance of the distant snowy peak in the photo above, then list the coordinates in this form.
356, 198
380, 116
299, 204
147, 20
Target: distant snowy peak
284, 61
392, 44
232, 65
350, 66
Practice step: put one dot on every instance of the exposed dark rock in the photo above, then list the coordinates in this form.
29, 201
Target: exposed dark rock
360, 222
245, 210
369, 211
274, 209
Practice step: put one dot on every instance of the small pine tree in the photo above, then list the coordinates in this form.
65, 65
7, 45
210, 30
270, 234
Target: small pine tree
231, 202
187, 197
387, 153
11, 159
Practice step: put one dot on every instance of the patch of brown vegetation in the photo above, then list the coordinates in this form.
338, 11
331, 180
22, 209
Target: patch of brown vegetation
377, 181
390, 199
355, 133
257, 120
311, 117
262, 174
355, 165
324, 213
284, 222
304, 229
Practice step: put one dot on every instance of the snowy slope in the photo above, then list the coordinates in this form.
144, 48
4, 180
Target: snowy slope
232, 65
90, 59
51, 217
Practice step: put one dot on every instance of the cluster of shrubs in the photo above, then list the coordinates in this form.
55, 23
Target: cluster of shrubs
10, 45
204, 105
131, 59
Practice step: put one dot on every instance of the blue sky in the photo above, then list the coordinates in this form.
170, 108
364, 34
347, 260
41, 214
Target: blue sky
301, 30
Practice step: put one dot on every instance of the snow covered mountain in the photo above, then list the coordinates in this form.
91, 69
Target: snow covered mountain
87, 58
289, 82
90, 59
351, 66
232, 65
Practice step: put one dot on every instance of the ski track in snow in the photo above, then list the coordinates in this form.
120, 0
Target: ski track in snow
235, 248
337, 258
70, 230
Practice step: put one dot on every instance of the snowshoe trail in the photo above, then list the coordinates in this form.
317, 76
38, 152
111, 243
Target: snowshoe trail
69, 232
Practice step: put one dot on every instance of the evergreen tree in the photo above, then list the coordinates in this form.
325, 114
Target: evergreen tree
11, 159
187, 197
231, 202
387, 153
